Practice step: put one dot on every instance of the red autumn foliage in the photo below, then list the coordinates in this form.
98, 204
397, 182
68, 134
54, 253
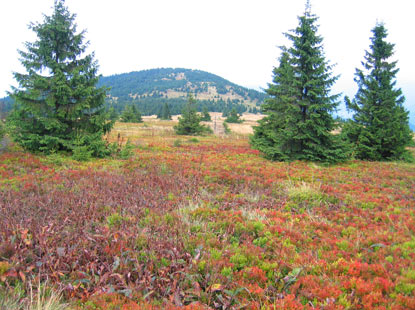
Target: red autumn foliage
210, 225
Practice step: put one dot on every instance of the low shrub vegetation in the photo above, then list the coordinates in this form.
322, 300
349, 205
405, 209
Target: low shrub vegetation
207, 224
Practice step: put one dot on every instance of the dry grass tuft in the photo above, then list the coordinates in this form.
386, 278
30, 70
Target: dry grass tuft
40, 298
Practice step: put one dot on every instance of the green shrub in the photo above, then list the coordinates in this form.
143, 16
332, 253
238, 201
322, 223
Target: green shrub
177, 143
407, 248
115, 220
227, 129
239, 260
82, 153
261, 241
131, 114
233, 117
405, 288
126, 151
193, 140
227, 272
343, 245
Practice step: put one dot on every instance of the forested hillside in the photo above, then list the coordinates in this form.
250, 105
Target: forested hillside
149, 89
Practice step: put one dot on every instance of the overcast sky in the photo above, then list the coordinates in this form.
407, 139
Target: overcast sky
235, 39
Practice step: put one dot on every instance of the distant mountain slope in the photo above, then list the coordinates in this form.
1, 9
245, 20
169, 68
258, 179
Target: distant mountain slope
149, 89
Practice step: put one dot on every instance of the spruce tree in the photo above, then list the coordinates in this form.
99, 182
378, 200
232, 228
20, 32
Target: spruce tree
276, 131
131, 114
137, 115
233, 117
164, 113
225, 112
205, 115
299, 122
58, 107
380, 126
189, 122
113, 114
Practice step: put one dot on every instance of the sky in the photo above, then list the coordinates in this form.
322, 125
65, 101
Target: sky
235, 39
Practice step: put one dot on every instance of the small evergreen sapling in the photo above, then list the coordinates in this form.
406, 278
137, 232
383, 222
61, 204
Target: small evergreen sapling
233, 117
164, 112
189, 122
205, 115
131, 114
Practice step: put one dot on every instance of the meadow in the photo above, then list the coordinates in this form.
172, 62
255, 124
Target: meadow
206, 223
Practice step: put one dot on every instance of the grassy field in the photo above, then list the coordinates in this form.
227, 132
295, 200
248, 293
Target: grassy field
206, 223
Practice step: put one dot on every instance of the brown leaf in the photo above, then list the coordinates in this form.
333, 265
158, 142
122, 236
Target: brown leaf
22, 276
196, 289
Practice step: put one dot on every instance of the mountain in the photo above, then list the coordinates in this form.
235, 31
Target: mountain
150, 89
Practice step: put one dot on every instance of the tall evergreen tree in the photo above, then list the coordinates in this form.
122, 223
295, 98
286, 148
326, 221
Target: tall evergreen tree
189, 122
275, 134
299, 122
58, 104
380, 126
